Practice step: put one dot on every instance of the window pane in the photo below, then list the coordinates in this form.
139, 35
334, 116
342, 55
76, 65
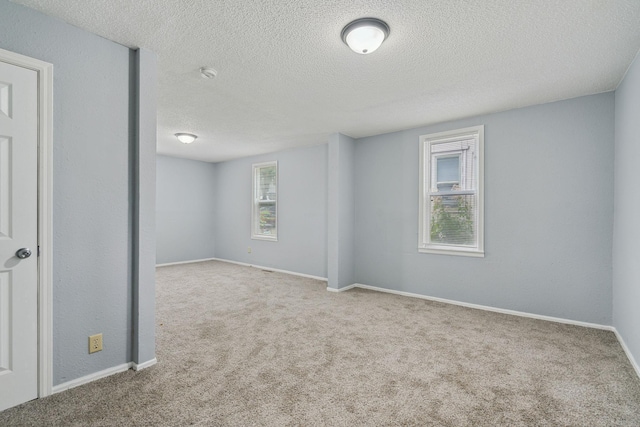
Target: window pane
453, 220
267, 183
448, 169
267, 219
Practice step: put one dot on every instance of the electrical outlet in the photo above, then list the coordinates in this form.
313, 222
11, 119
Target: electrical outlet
95, 343
249, 249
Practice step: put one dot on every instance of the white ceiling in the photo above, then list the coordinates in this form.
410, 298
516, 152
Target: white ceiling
285, 78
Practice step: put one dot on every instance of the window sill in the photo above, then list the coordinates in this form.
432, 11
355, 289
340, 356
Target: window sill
452, 251
269, 238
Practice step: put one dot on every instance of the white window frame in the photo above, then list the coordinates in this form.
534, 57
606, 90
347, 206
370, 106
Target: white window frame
255, 202
427, 184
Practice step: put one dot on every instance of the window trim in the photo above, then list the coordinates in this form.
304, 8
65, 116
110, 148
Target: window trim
424, 219
255, 203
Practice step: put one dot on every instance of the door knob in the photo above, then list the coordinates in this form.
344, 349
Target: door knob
23, 253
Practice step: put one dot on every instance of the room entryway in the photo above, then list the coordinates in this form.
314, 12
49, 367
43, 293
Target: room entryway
18, 235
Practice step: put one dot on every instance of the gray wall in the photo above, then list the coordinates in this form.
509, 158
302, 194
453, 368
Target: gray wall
341, 210
94, 116
185, 210
548, 213
302, 212
626, 255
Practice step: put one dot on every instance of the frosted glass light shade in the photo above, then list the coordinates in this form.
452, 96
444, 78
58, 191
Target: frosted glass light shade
365, 35
186, 138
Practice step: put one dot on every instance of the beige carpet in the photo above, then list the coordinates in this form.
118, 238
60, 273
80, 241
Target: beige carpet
239, 346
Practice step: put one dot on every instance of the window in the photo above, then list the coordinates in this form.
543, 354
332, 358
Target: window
451, 192
264, 215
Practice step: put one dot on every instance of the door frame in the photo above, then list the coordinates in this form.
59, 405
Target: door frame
45, 204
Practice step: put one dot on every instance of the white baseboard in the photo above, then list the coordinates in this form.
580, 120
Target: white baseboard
91, 377
277, 270
102, 374
346, 288
143, 365
628, 352
487, 308
185, 262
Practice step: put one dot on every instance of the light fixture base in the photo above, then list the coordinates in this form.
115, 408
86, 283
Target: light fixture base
208, 73
186, 138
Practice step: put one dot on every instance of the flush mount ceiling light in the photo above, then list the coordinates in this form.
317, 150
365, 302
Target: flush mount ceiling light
365, 35
208, 73
186, 138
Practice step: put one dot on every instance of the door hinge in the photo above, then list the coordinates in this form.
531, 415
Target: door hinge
38, 250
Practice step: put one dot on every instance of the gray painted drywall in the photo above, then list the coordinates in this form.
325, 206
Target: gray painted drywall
341, 211
186, 200
302, 212
548, 213
626, 256
93, 130
144, 207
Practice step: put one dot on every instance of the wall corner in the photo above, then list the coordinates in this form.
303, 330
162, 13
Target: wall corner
144, 203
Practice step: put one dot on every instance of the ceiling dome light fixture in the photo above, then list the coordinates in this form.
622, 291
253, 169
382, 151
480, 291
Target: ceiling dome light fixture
365, 35
208, 72
186, 138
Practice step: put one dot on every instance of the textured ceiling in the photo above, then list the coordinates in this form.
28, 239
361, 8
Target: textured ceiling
286, 79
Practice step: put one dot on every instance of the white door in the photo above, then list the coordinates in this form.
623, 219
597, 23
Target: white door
18, 230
